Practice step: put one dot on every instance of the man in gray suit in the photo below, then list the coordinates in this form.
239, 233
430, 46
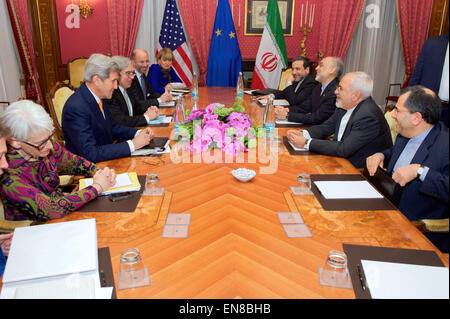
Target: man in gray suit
358, 124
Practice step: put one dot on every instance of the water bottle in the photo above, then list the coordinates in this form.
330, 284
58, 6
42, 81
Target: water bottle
240, 86
269, 116
195, 87
179, 114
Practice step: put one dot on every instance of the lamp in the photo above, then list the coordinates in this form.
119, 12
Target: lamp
85, 8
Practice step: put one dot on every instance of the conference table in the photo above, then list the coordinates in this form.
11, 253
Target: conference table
236, 246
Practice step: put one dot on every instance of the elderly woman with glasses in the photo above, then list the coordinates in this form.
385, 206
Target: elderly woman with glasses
30, 186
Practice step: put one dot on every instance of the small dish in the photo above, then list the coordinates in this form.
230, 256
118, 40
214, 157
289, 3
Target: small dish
243, 174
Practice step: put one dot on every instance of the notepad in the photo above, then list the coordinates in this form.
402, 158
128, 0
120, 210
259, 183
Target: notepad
162, 119
347, 189
125, 182
387, 280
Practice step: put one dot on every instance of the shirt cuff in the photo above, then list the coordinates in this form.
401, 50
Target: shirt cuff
159, 100
424, 174
131, 146
306, 134
147, 119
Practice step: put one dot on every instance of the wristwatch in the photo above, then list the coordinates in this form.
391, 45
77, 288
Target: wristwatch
420, 170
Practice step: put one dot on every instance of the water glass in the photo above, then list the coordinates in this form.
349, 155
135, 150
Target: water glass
132, 272
153, 185
302, 185
335, 271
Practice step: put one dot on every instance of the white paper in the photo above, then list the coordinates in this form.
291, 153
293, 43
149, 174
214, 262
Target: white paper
387, 280
122, 180
162, 119
297, 148
280, 102
51, 250
286, 122
169, 103
178, 85
347, 189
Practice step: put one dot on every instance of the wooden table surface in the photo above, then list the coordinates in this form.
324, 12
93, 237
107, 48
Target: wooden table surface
236, 247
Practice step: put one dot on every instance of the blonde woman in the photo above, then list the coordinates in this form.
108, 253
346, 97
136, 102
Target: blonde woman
162, 74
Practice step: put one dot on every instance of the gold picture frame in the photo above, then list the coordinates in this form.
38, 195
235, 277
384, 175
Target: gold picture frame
255, 11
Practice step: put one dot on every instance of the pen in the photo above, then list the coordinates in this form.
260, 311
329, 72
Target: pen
361, 278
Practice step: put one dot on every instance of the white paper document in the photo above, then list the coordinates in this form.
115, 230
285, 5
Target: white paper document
278, 102
387, 280
347, 189
162, 119
122, 180
57, 260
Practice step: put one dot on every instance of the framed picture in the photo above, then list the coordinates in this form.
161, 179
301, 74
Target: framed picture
255, 16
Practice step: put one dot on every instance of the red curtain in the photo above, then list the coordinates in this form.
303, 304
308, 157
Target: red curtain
18, 14
414, 20
123, 19
198, 18
338, 22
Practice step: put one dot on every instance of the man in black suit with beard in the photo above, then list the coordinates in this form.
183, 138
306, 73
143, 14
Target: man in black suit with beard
320, 105
140, 88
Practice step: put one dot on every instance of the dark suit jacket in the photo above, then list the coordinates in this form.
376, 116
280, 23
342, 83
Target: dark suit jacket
429, 65
302, 94
427, 199
119, 110
135, 92
366, 133
318, 107
88, 134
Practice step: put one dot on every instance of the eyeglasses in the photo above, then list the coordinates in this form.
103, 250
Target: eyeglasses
41, 145
131, 74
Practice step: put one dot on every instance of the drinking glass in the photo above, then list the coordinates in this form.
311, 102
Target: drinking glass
132, 272
302, 185
153, 185
335, 271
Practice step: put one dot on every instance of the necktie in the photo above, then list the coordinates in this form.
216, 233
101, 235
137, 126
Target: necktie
100, 105
143, 86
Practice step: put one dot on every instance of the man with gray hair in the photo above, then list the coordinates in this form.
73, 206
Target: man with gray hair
87, 125
320, 105
125, 109
358, 124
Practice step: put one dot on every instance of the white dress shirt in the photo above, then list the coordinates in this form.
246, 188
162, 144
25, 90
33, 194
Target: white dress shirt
443, 89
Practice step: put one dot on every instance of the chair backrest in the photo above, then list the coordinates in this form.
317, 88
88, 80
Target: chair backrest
76, 71
56, 99
391, 123
284, 76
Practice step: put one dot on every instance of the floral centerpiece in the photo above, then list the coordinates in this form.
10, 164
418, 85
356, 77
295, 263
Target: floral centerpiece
217, 126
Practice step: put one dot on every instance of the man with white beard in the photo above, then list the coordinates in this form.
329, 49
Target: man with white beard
358, 124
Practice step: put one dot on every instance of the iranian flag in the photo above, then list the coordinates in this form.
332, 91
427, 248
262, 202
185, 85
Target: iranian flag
272, 57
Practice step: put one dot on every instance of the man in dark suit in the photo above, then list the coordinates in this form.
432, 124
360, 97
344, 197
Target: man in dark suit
123, 109
419, 160
89, 130
432, 70
358, 124
140, 88
300, 84
320, 105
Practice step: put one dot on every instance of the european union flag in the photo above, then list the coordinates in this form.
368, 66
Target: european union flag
225, 61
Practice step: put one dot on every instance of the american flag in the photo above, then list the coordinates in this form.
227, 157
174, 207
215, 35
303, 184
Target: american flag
172, 37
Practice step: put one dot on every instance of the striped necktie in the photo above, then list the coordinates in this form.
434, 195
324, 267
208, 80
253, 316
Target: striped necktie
142, 81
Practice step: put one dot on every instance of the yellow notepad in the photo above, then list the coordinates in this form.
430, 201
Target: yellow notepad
125, 182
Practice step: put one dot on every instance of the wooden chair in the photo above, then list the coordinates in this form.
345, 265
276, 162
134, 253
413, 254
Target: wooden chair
388, 110
76, 71
284, 76
56, 99
391, 96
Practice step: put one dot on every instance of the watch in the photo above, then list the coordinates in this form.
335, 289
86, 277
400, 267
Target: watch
420, 170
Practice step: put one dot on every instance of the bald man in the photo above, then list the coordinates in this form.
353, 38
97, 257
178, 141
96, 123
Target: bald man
140, 88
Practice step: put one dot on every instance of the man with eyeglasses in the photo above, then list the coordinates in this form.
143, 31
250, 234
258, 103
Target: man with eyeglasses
419, 159
125, 110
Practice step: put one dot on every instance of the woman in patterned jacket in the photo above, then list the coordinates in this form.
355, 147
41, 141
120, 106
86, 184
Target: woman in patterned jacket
30, 186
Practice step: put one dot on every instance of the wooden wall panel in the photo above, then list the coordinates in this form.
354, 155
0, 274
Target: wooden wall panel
439, 18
